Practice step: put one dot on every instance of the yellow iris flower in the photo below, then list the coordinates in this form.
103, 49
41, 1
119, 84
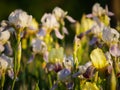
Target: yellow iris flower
98, 59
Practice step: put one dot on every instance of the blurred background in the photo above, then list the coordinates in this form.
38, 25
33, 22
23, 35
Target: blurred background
36, 8
76, 8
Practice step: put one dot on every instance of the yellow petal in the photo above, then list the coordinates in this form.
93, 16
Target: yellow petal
98, 58
90, 86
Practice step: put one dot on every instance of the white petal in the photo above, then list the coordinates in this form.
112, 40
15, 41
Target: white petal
58, 34
65, 30
69, 18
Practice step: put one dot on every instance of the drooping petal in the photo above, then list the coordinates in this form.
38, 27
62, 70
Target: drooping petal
115, 50
70, 19
58, 34
65, 30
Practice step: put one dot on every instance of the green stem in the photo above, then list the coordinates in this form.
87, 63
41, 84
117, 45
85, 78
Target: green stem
13, 84
2, 80
50, 80
17, 58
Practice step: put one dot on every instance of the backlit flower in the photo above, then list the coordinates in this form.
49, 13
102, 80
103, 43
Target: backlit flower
115, 50
60, 15
20, 19
97, 10
110, 35
4, 36
5, 63
64, 75
98, 59
33, 27
49, 22
56, 55
38, 46
68, 62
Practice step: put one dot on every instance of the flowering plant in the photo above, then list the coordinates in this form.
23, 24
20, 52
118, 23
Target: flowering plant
35, 56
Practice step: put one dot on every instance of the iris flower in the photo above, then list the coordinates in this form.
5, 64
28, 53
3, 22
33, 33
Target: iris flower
20, 19
98, 59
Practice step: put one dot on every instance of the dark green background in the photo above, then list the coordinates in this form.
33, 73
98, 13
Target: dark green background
37, 8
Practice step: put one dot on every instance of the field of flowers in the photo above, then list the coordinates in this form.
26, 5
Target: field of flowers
36, 56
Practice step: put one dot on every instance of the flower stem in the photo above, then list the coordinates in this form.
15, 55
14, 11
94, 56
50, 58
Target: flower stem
50, 81
2, 80
17, 58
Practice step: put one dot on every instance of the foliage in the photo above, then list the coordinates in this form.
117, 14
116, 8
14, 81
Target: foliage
33, 56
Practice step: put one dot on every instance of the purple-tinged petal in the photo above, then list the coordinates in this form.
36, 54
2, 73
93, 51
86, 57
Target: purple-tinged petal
64, 74
8, 49
11, 73
93, 41
76, 74
70, 85
41, 33
58, 67
54, 86
115, 50
81, 35
58, 34
89, 72
89, 15
65, 30
31, 58
108, 13
70, 19
45, 56
50, 66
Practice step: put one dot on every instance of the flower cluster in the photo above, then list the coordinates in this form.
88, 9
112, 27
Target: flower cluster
36, 54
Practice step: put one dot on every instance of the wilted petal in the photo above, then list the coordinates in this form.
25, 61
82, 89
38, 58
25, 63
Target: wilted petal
70, 19
58, 34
